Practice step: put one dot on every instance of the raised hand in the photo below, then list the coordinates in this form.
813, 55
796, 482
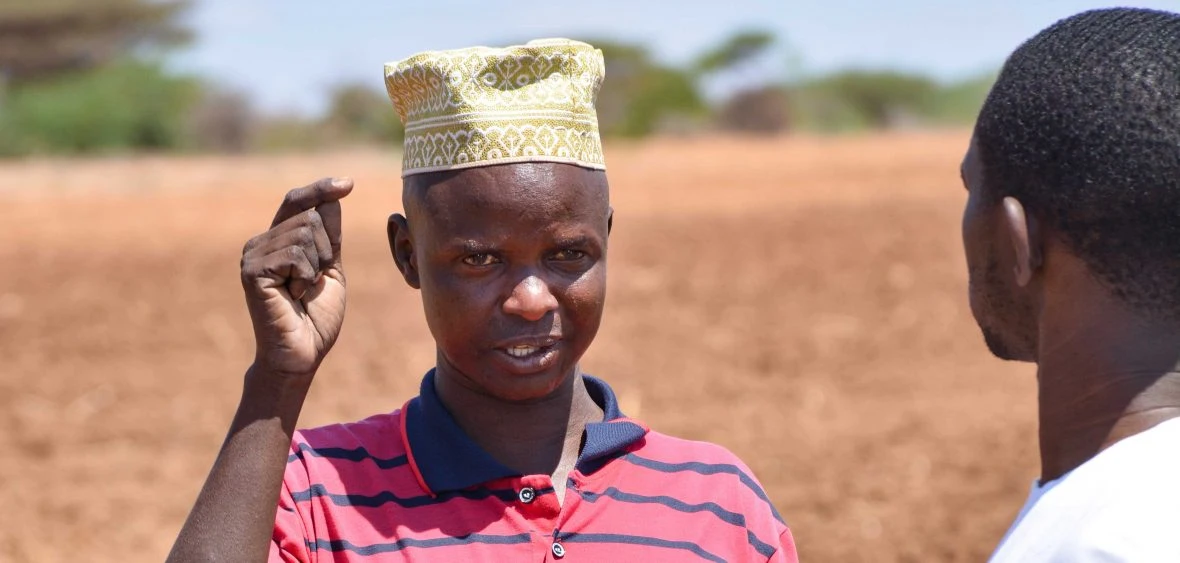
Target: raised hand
294, 280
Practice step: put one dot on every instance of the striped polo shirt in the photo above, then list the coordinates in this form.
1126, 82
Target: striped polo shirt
411, 486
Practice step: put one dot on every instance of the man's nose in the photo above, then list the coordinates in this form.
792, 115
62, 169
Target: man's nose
530, 299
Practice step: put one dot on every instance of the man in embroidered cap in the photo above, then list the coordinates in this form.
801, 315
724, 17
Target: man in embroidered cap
509, 452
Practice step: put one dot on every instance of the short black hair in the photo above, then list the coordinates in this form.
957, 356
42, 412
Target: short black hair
1083, 128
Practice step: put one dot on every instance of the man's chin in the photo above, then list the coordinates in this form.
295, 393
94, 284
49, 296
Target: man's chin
1002, 348
524, 389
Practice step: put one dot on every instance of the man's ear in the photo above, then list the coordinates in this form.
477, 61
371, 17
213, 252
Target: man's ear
610, 219
401, 245
1024, 233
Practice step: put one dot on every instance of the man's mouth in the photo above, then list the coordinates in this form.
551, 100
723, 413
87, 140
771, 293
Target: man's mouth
530, 355
523, 351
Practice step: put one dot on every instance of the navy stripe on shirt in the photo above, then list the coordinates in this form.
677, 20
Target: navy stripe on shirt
681, 506
760, 546
355, 454
386, 497
706, 469
344, 545
575, 537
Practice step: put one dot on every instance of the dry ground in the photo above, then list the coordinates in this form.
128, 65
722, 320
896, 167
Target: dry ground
800, 301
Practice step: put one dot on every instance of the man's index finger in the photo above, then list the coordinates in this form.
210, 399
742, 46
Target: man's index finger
311, 196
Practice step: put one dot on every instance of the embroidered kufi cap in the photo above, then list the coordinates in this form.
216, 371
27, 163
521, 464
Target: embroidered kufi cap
480, 106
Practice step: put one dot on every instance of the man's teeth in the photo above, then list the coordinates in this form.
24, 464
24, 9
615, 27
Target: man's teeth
521, 351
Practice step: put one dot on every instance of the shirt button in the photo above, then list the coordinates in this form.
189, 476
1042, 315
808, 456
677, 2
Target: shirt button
527, 495
558, 550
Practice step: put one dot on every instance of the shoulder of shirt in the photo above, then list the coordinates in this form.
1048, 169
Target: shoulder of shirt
682, 449
1122, 506
1147, 538
379, 435
726, 473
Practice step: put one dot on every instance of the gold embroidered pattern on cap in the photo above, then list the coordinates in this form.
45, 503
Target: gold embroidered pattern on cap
480, 105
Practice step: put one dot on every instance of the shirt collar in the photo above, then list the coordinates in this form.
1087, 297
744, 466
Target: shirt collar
444, 458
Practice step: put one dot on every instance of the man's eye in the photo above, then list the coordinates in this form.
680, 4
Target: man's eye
480, 260
566, 255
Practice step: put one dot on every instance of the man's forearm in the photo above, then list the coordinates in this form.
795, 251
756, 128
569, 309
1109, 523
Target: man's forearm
233, 517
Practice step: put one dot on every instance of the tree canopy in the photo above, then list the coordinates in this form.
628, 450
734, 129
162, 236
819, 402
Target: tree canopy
44, 38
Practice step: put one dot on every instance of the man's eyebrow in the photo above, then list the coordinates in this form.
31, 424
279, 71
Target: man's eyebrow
473, 246
470, 246
574, 240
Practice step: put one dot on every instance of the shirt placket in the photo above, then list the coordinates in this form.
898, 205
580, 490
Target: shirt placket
536, 501
558, 550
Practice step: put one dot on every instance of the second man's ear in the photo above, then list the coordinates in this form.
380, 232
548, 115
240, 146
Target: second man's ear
401, 246
1025, 238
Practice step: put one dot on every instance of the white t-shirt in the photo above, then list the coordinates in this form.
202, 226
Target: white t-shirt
1121, 505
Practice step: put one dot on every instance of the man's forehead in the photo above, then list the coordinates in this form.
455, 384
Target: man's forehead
510, 201
520, 184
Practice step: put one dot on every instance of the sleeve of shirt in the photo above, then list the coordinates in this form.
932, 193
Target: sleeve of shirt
289, 541
786, 552
1123, 547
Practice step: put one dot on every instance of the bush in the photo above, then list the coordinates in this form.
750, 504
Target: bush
130, 105
874, 98
358, 113
286, 133
222, 121
854, 100
761, 110
959, 103
640, 96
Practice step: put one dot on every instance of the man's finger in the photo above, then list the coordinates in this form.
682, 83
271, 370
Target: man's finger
308, 197
301, 276
281, 268
330, 216
303, 232
323, 245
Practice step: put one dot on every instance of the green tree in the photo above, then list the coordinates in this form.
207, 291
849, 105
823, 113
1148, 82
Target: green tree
44, 38
755, 106
862, 98
738, 49
74, 78
640, 95
360, 113
125, 105
958, 103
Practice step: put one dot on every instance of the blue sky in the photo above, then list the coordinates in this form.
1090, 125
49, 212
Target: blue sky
288, 53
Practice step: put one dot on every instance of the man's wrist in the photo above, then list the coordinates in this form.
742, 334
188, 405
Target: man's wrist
270, 392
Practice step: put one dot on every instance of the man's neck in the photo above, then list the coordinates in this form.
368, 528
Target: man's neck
540, 437
1114, 377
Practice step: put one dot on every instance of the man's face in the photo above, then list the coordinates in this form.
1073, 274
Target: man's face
1001, 308
511, 262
